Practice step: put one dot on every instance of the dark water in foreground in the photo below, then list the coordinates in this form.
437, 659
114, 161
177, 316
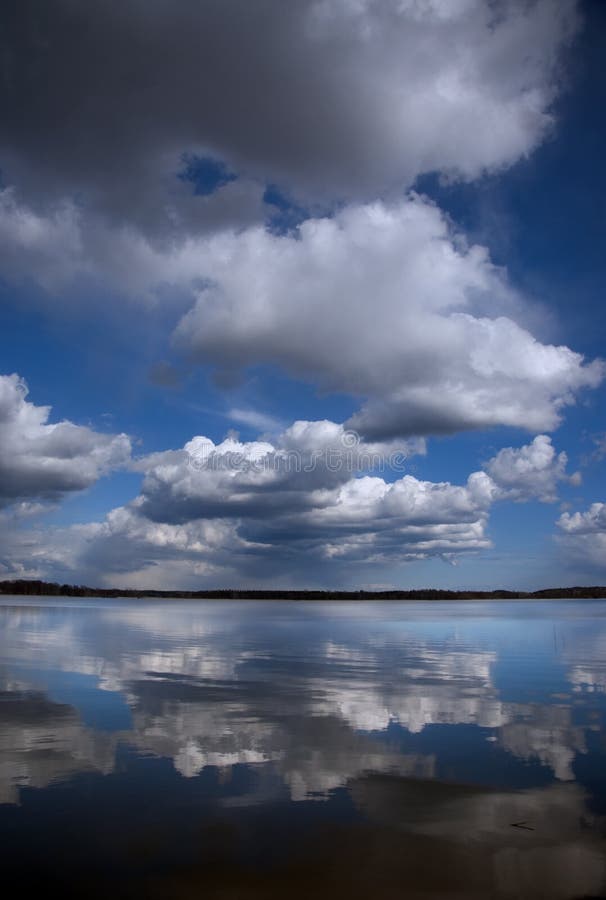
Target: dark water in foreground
239, 749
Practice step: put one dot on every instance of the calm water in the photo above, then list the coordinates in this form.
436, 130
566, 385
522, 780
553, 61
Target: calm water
241, 749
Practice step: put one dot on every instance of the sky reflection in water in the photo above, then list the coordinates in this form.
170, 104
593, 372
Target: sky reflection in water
173, 748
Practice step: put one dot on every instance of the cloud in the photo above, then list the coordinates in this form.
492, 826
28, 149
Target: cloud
47, 245
583, 536
236, 478
331, 99
388, 303
315, 507
530, 471
384, 302
145, 169
66, 245
255, 419
44, 461
591, 522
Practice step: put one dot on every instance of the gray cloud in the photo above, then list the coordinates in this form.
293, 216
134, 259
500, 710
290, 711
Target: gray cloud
385, 302
335, 101
329, 98
303, 508
44, 461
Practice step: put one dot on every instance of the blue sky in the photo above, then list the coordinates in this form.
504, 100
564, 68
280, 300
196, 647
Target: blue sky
367, 226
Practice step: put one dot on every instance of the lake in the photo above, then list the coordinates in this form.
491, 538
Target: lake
181, 749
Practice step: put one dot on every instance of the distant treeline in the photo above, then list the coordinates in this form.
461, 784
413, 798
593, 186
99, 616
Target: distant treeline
49, 589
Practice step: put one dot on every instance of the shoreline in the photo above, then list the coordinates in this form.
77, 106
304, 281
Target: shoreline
35, 588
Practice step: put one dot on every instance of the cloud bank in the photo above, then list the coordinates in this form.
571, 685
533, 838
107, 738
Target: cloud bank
331, 99
306, 507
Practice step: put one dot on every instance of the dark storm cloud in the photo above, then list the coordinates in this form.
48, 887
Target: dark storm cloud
332, 99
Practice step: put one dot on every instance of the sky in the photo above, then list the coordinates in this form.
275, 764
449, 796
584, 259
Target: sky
303, 295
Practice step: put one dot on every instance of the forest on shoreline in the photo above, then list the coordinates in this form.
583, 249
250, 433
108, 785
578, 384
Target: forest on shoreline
32, 587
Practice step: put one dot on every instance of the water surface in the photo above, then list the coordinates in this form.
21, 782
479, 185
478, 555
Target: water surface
264, 749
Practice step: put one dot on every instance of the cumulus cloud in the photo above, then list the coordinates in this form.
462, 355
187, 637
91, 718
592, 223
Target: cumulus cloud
583, 536
235, 478
332, 99
591, 522
385, 302
44, 461
335, 102
388, 303
306, 490
66, 245
530, 471
313, 506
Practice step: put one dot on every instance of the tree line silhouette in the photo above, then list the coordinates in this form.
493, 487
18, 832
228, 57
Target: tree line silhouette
32, 587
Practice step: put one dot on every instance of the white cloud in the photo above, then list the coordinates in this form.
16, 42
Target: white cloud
246, 513
583, 536
43, 461
591, 522
384, 302
530, 471
235, 478
255, 419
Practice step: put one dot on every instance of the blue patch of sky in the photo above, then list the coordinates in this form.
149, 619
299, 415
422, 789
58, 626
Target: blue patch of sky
270, 390
206, 173
508, 567
93, 504
285, 214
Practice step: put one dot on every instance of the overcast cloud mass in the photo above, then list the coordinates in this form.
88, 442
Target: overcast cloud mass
233, 214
